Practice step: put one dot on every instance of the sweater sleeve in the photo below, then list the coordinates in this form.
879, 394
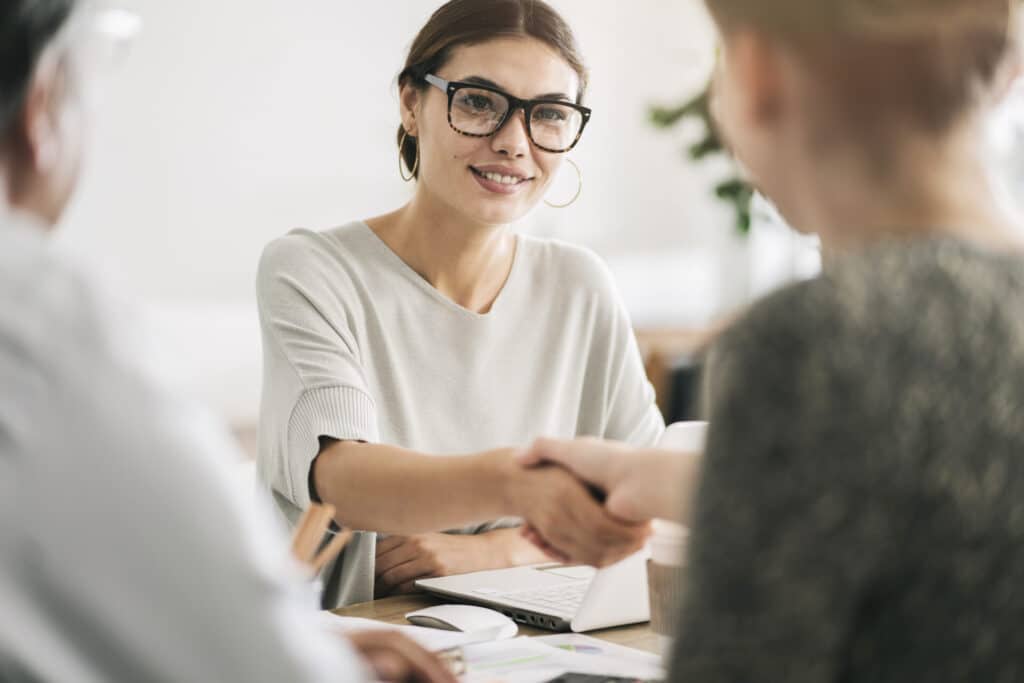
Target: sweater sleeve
631, 414
313, 380
790, 525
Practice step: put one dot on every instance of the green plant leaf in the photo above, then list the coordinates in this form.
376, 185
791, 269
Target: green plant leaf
734, 190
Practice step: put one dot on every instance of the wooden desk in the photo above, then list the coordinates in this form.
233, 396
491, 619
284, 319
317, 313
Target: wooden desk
393, 611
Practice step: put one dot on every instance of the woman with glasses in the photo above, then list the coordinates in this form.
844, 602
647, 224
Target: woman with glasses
409, 355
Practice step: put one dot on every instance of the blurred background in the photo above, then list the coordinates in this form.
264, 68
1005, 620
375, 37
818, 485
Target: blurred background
235, 121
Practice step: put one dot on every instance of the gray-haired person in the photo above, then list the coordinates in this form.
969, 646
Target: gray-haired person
108, 571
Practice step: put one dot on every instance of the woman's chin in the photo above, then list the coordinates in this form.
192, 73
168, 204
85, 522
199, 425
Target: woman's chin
496, 213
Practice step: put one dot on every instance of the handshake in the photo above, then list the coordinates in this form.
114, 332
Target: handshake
589, 501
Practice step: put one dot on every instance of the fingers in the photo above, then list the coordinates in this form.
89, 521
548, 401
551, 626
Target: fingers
388, 559
615, 539
396, 658
408, 588
531, 535
422, 666
541, 451
587, 458
583, 531
388, 543
623, 504
404, 573
533, 455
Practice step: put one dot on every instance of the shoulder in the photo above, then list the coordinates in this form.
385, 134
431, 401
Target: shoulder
301, 249
335, 263
791, 316
71, 346
872, 292
569, 267
893, 311
896, 291
49, 308
803, 343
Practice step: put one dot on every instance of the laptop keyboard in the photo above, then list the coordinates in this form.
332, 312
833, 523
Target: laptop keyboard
565, 599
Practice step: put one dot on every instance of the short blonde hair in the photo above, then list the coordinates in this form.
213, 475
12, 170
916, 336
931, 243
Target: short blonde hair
869, 18
927, 61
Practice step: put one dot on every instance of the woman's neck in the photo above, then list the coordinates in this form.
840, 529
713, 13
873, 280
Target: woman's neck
467, 262
922, 190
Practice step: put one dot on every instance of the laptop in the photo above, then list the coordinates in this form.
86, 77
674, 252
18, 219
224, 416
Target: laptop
561, 598
556, 597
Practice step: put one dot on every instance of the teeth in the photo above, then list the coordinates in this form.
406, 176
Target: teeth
503, 179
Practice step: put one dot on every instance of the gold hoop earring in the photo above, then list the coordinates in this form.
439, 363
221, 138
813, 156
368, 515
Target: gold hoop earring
401, 158
579, 190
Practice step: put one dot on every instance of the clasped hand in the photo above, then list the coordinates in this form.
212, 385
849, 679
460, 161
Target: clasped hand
637, 485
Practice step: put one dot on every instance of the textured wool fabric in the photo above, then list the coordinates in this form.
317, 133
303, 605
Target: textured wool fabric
861, 510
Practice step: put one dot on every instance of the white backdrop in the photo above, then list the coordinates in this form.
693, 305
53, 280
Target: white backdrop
233, 121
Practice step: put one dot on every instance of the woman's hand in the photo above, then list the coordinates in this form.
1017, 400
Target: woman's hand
567, 517
401, 560
393, 657
638, 484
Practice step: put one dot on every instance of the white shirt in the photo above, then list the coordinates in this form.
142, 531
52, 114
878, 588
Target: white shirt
126, 554
358, 346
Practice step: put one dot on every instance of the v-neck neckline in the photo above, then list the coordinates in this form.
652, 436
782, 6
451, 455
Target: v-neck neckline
410, 273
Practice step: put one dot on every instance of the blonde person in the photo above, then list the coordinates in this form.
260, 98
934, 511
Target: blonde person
859, 510
406, 356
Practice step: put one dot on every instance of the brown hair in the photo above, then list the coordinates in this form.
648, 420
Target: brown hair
471, 22
925, 61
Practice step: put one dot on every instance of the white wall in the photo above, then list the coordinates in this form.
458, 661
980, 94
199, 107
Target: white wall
233, 121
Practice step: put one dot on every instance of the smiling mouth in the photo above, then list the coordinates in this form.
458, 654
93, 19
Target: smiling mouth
500, 178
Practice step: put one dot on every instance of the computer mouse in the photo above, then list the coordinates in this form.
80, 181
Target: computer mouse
465, 618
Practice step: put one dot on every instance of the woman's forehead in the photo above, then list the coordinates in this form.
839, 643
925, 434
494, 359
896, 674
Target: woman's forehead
524, 67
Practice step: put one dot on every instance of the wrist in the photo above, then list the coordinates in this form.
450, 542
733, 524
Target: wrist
498, 550
504, 475
508, 548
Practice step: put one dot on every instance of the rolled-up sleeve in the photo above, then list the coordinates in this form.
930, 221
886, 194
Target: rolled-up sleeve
313, 380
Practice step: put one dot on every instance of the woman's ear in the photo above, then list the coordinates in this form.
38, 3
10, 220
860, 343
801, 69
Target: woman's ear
758, 67
1010, 72
37, 126
410, 99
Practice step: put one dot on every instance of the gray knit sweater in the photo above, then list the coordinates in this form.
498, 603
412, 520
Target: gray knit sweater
861, 511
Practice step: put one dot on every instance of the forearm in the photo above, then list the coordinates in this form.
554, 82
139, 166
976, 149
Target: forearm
390, 489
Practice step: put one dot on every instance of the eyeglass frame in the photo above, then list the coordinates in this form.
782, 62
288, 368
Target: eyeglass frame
514, 104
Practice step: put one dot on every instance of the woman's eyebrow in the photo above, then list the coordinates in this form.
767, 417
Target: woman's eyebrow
480, 80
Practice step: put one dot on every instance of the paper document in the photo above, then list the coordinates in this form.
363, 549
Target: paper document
432, 639
520, 660
629, 661
532, 660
